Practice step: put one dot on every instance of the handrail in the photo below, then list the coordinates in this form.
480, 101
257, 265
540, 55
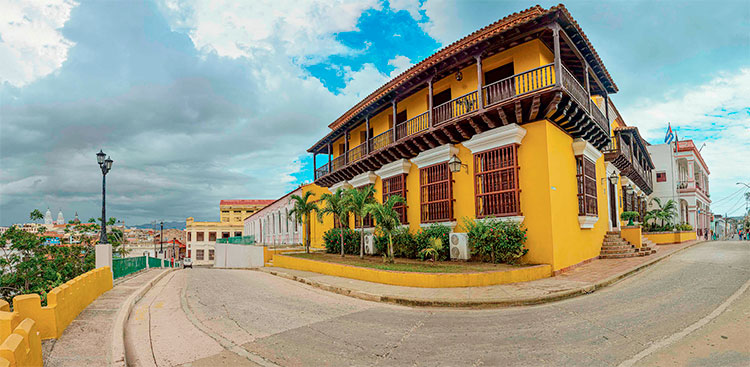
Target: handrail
356, 153
412, 126
576, 89
455, 107
519, 84
381, 140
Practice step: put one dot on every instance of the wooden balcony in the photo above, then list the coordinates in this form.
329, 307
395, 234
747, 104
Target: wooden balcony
521, 98
629, 155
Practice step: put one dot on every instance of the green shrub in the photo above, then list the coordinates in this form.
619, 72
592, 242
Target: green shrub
410, 246
683, 227
439, 231
630, 217
654, 227
333, 241
496, 241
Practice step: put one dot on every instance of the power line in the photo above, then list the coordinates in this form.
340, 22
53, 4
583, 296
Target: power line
727, 197
730, 203
737, 204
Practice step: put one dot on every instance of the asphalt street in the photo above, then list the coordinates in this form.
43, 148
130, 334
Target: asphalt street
689, 309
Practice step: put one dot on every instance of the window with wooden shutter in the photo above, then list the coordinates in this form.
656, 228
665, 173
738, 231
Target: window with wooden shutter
496, 182
436, 193
586, 178
396, 185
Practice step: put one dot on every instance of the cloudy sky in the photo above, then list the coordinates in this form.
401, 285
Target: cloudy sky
202, 100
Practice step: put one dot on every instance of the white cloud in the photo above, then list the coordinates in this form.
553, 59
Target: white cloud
411, 6
716, 113
301, 29
31, 45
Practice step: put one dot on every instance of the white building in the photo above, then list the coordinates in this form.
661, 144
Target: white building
682, 175
273, 225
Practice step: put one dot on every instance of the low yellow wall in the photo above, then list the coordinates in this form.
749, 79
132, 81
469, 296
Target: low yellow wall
64, 303
23, 347
413, 279
268, 253
632, 235
662, 238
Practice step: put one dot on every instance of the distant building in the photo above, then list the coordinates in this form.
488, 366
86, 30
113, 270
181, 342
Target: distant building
681, 175
48, 218
201, 236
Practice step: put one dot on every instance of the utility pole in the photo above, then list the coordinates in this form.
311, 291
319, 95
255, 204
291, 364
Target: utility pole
161, 238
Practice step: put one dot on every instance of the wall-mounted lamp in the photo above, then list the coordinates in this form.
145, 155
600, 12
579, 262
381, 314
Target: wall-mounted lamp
459, 76
629, 189
613, 179
454, 165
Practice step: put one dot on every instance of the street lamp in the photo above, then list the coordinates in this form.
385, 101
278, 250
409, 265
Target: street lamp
105, 165
454, 164
161, 239
613, 179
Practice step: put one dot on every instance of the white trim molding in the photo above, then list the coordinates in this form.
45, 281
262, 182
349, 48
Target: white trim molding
497, 137
394, 168
582, 147
363, 179
451, 224
587, 222
337, 185
514, 218
435, 155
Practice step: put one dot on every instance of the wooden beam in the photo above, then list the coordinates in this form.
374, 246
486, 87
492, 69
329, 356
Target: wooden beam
487, 120
503, 117
475, 126
461, 131
534, 114
448, 134
418, 144
553, 105
519, 112
437, 137
429, 142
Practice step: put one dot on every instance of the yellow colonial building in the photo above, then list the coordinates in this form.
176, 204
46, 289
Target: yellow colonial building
201, 236
513, 121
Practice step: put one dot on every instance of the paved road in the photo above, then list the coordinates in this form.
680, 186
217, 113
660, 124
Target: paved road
207, 317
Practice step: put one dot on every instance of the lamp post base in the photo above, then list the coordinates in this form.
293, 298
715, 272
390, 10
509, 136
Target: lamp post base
104, 255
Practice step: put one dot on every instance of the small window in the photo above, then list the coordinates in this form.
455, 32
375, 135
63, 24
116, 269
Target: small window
199, 254
189, 236
586, 178
224, 234
210, 254
238, 234
396, 185
498, 73
436, 193
342, 149
661, 177
200, 236
441, 97
401, 117
212, 236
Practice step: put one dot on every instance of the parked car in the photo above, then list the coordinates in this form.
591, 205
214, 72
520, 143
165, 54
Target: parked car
187, 263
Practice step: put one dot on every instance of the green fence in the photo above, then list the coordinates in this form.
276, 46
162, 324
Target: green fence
128, 265
239, 240
154, 262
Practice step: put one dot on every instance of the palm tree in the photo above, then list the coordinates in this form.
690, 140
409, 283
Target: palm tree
337, 205
301, 211
358, 200
386, 219
665, 212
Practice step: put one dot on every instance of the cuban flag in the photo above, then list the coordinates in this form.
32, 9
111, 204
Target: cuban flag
670, 135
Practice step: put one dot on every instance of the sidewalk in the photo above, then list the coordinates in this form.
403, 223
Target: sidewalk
88, 339
580, 280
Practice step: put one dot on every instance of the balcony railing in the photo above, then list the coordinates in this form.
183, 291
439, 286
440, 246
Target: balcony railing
514, 86
321, 171
455, 107
381, 140
338, 163
412, 126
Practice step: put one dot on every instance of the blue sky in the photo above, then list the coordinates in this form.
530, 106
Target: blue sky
200, 100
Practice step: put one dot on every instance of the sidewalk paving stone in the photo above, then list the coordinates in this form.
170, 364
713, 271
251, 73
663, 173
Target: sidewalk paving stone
87, 340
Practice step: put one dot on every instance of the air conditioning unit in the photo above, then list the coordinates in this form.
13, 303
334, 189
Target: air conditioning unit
370, 244
459, 246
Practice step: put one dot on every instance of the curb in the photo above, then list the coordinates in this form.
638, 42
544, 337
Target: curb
117, 349
417, 302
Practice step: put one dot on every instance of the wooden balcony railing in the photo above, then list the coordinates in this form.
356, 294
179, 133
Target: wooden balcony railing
381, 140
412, 126
575, 89
338, 163
455, 107
321, 171
599, 117
519, 84
356, 153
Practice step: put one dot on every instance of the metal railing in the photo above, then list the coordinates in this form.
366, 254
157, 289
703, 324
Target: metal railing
238, 240
321, 171
127, 265
455, 107
412, 126
338, 163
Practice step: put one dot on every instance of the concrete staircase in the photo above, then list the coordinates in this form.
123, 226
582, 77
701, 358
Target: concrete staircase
616, 247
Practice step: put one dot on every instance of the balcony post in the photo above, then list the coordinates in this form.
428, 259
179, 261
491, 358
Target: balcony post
315, 166
480, 101
346, 146
393, 104
330, 154
429, 99
588, 91
367, 134
556, 38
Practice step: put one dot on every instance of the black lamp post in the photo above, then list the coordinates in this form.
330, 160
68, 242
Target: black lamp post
161, 238
105, 165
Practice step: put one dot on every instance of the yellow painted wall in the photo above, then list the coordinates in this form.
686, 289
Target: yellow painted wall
663, 238
632, 234
22, 347
414, 279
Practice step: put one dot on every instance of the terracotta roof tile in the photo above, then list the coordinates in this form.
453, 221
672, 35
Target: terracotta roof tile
246, 202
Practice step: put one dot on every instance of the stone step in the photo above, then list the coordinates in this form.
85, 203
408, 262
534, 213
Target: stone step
619, 252
615, 246
614, 232
618, 256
